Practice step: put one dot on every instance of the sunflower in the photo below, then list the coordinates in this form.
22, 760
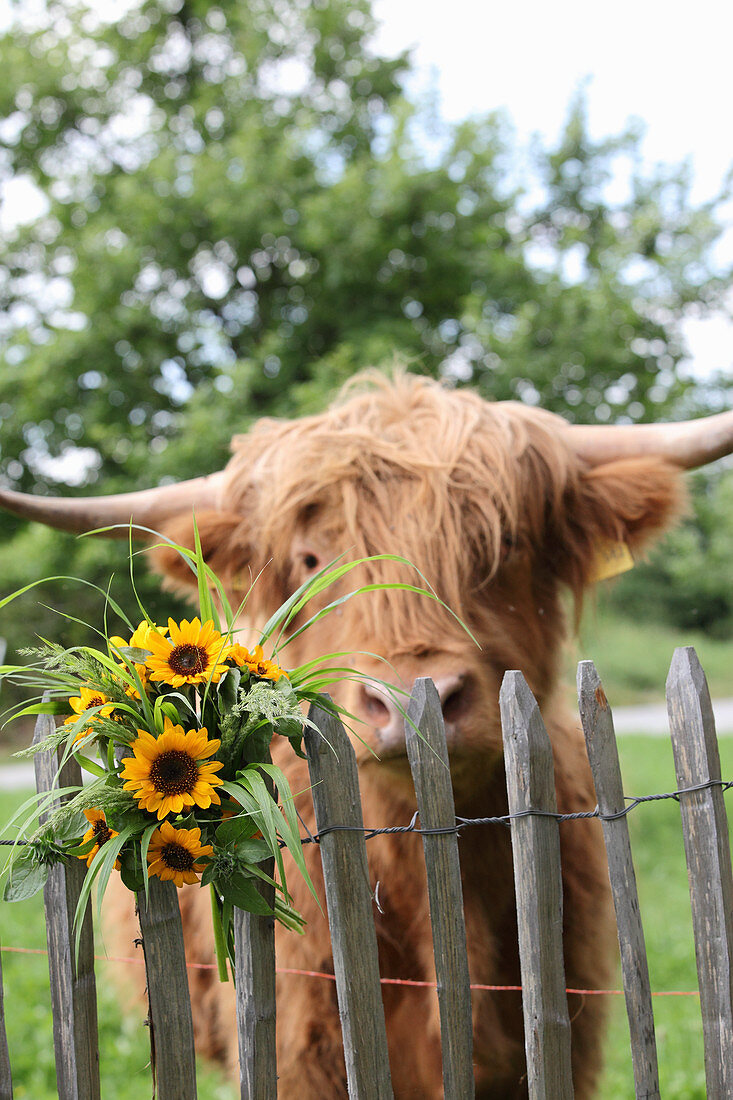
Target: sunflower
165, 774
100, 833
194, 654
256, 663
139, 640
173, 853
88, 698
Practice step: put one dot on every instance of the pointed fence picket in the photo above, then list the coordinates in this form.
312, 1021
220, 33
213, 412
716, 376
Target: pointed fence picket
707, 848
350, 905
254, 951
538, 883
600, 740
73, 988
427, 753
333, 774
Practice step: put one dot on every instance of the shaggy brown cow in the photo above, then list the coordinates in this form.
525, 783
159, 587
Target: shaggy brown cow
502, 508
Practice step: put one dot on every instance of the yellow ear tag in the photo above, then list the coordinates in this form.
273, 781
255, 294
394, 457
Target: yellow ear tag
611, 559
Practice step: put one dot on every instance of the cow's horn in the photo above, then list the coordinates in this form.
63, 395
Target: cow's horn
147, 508
689, 444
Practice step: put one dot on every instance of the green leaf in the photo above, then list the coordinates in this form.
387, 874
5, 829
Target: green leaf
242, 892
27, 877
90, 765
228, 687
71, 826
290, 830
83, 848
251, 792
169, 710
206, 604
132, 877
137, 656
234, 830
253, 851
144, 846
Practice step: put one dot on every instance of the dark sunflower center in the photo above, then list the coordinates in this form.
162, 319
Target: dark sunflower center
188, 660
174, 772
176, 857
95, 701
101, 832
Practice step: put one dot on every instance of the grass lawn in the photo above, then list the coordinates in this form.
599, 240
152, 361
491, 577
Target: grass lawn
633, 657
658, 850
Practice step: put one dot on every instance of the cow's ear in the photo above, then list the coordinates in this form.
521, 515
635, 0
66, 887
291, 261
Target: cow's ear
622, 504
224, 543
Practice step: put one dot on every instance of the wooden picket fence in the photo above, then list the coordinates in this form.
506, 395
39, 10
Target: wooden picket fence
535, 842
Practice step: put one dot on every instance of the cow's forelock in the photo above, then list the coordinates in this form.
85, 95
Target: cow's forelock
444, 479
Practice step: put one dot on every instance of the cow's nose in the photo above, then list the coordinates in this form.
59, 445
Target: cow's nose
382, 709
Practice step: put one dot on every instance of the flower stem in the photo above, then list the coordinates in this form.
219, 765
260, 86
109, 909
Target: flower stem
219, 944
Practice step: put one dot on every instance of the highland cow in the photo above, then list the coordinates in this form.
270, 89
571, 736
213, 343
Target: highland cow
502, 508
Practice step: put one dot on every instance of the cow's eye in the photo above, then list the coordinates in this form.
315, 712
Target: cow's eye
310, 561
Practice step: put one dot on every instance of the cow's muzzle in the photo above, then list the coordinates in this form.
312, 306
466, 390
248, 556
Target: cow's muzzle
384, 711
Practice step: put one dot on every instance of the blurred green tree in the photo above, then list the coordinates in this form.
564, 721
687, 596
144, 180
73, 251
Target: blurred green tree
687, 580
237, 209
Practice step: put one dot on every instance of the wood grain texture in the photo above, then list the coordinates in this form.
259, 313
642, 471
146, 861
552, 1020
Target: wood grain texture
171, 1028
600, 739
707, 849
6, 1080
333, 775
254, 953
73, 988
427, 753
536, 855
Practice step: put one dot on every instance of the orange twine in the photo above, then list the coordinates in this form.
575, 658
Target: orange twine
383, 981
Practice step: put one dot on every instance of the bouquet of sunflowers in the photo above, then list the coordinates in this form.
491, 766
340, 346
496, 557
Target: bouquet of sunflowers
172, 726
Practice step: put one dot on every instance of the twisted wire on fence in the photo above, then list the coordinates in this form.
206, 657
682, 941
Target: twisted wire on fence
504, 819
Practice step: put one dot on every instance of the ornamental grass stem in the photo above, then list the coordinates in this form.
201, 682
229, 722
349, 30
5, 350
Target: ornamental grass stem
219, 943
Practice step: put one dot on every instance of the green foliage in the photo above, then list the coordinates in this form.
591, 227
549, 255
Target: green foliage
632, 651
687, 580
240, 214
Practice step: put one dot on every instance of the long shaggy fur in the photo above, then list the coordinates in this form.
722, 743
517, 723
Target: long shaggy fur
493, 509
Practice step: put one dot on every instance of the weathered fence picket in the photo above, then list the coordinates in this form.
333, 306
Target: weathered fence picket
254, 975
171, 1027
600, 739
6, 1080
530, 780
707, 848
333, 775
427, 753
73, 988
254, 953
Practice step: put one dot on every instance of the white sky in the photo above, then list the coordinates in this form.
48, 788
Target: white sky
666, 63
